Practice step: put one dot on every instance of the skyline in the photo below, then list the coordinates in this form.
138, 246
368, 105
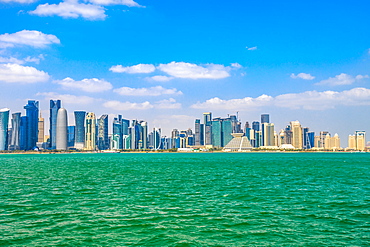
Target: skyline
295, 61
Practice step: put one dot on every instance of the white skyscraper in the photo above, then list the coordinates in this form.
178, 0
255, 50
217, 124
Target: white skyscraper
62, 130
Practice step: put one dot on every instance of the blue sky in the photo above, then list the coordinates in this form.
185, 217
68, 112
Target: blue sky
167, 62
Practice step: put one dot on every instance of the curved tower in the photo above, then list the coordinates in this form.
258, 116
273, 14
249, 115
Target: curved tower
4, 121
61, 131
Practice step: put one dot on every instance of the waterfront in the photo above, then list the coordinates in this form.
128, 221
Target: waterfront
204, 199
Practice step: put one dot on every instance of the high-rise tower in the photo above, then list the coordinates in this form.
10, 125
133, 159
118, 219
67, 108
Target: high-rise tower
90, 143
79, 129
32, 112
4, 121
54, 107
207, 128
16, 122
297, 137
61, 130
103, 141
41, 125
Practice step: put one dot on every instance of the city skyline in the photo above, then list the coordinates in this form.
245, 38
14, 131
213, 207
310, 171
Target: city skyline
169, 62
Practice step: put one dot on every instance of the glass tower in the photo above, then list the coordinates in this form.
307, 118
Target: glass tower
32, 112
103, 141
16, 122
80, 129
54, 107
4, 121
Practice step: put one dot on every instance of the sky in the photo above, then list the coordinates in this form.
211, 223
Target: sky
167, 62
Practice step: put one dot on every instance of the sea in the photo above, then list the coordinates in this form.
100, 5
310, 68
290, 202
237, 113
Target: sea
185, 199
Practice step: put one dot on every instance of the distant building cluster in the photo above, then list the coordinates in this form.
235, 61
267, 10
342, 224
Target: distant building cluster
91, 133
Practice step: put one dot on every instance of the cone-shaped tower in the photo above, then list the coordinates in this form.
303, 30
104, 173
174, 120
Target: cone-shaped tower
62, 126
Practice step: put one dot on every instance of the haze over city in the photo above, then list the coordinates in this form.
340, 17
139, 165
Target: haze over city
167, 62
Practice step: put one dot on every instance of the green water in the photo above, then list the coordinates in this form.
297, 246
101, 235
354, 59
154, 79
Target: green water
250, 199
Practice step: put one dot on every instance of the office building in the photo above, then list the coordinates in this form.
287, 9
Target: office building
265, 118
207, 116
80, 129
216, 132
32, 112
103, 141
4, 122
71, 136
54, 107
62, 130
14, 140
90, 131
41, 126
297, 137
227, 130
268, 134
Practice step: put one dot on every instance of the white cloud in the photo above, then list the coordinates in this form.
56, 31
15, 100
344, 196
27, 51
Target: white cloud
251, 48
168, 104
27, 37
124, 106
193, 71
14, 73
88, 85
309, 100
21, 61
342, 79
245, 103
152, 91
129, 3
71, 9
18, 1
236, 65
160, 78
303, 76
136, 69
68, 98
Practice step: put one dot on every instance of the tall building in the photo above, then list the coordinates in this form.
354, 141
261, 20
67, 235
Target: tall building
90, 132
23, 133
41, 125
268, 134
357, 141
54, 107
216, 132
197, 132
227, 130
4, 122
297, 140
103, 141
144, 135
332, 143
207, 116
80, 129
62, 130
32, 112
256, 138
117, 133
16, 122
71, 136
265, 118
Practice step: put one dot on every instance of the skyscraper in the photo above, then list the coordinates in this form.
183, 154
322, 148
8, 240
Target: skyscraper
71, 136
80, 129
227, 130
54, 107
41, 125
4, 121
268, 131
62, 130
197, 132
16, 122
103, 141
297, 137
207, 128
90, 135
32, 112
118, 133
216, 132
23, 133
144, 135
265, 118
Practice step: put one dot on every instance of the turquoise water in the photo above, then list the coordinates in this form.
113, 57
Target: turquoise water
204, 199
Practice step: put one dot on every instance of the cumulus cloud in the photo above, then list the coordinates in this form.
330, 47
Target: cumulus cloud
245, 103
236, 65
129, 3
251, 48
168, 104
342, 79
124, 106
13, 73
18, 1
21, 61
303, 76
193, 71
309, 100
68, 98
88, 85
28, 37
152, 91
160, 78
71, 9
135, 69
